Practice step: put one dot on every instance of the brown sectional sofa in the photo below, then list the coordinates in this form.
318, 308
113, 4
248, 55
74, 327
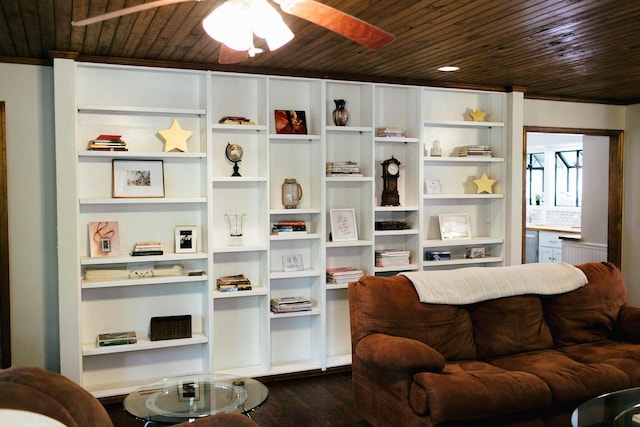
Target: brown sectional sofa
523, 360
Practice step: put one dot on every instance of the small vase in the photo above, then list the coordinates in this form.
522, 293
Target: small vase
234, 222
340, 114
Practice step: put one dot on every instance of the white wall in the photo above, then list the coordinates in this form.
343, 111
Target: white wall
595, 189
630, 223
28, 94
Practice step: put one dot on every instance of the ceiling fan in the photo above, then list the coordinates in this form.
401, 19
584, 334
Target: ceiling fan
235, 22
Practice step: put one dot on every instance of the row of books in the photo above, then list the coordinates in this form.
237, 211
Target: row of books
291, 226
235, 120
108, 143
342, 275
392, 257
387, 132
238, 282
475, 150
290, 304
343, 168
147, 248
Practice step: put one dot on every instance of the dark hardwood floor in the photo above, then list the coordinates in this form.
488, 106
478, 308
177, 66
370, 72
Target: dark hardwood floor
321, 400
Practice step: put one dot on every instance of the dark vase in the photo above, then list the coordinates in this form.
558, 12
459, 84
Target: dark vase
340, 114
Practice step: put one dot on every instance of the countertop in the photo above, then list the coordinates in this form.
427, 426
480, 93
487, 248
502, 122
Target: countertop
573, 231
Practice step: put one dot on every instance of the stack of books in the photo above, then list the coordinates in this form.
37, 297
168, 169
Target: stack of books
238, 282
290, 226
475, 150
116, 338
290, 304
107, 143
235, 120
399, 132
392, 257
342, 275
347, 168
147, 248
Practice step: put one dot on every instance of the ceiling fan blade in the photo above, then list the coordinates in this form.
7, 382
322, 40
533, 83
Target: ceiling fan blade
231, 56
126, 11
337, 21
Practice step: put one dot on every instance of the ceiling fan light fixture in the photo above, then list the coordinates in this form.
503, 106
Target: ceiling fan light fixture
267, 23
448, 68
231, 24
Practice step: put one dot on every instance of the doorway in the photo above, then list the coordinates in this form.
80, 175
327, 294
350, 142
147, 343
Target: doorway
614, 197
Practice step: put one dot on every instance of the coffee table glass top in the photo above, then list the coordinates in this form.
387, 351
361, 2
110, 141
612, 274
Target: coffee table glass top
612, 409
178, 399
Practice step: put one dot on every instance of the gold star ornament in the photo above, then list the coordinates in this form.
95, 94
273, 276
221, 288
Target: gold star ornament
477, 115
484, 184
175, 138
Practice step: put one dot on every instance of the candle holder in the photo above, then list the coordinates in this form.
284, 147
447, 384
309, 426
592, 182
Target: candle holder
235, 222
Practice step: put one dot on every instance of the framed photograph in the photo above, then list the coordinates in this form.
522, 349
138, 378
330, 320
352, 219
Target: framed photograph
186, 239
433, 186
138, 178
104, 239
343, 225
454, 226
188, 390
292, 263
291, 121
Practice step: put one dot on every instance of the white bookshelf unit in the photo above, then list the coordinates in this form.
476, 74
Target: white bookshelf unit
236, 332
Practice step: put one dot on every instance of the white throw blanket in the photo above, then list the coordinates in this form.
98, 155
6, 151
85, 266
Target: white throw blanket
473, 284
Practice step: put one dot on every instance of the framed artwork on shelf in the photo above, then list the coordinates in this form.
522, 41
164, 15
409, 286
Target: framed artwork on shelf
290, 121
433, 186
343, 225
454, 226
292, 263
186, 239
188, 390
104, 239
138, 178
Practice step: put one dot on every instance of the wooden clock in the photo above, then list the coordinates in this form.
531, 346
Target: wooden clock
390, 174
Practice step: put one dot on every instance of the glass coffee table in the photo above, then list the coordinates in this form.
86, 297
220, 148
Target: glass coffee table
178, 399
616, 409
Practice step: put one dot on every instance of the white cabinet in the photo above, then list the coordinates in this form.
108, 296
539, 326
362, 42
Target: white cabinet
549, 247
446, 121
235, 332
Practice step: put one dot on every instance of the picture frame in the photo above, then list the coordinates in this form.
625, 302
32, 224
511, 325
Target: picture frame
454, 226
188, 390
104, 239
290, 122
343, 225
138, 178
433, 186
292, 263
186, 239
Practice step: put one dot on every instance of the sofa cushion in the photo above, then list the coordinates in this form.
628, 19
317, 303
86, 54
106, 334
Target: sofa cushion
390, 305
587, 314
510, 325
571, 382
473, 389
25, 398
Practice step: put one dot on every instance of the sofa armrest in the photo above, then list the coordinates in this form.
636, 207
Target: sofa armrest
626, 326
398, 353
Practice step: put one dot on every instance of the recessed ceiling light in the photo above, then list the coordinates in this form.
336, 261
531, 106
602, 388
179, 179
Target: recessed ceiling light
448, 68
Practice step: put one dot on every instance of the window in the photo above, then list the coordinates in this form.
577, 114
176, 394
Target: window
568, 178
535, 178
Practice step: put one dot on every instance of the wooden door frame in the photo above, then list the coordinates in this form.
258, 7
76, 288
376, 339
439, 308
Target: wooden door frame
615, 199
5, 306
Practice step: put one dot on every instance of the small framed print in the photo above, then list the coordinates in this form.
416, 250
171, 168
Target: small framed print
292, 263
290, 121
138, 178
454, 226
188, 390
104, 239
343, 225
433, 186
186, 239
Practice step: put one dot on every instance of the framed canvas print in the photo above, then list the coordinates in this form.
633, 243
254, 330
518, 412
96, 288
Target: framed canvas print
104, 239
454, 226
138, 178
186, 239
292, 263
433, 186
343, 225
290, 121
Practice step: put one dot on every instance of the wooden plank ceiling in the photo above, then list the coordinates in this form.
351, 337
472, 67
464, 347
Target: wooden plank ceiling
559, 49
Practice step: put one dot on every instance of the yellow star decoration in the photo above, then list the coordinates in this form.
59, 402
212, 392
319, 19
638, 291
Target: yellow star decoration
484, 184
175, 138
477, 115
